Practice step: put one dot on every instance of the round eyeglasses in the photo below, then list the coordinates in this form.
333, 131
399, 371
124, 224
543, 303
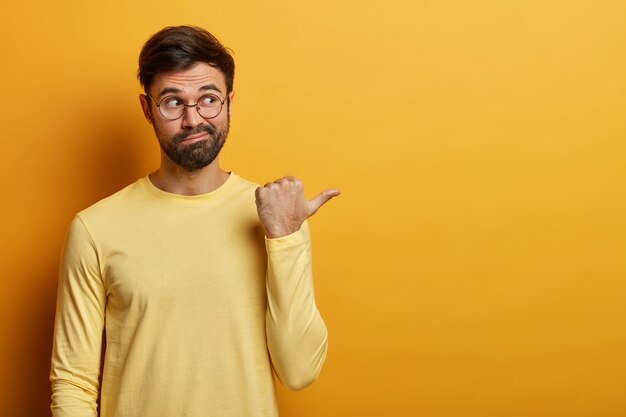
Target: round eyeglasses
172, 107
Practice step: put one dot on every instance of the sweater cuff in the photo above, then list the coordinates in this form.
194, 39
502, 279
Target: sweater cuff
285, 242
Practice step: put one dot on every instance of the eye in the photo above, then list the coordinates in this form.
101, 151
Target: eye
171, 102
207, 101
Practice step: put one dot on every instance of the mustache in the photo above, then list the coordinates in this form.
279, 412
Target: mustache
198, 129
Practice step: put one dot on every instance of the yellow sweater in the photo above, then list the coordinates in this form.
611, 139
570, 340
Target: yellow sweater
197, 307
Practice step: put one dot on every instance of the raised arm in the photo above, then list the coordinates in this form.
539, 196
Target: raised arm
296, 334
78, 328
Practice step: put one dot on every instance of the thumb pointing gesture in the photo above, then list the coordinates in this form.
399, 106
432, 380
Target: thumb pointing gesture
321, 199
282, 207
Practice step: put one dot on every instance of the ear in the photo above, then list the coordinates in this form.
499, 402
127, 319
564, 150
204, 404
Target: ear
231, 96
145, 106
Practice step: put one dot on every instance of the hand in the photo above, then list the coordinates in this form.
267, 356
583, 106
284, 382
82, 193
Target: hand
282, 206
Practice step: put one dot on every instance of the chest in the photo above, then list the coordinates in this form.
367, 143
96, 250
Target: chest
193, 257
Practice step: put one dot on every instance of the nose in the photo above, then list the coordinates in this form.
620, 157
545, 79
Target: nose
191, 118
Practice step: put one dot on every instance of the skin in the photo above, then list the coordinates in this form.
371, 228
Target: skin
281, 205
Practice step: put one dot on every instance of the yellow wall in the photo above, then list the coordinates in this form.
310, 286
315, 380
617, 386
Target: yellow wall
474, 265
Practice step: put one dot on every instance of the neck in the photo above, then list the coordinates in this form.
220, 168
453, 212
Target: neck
173, 179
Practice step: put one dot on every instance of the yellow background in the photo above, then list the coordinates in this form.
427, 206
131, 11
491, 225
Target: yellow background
474, 265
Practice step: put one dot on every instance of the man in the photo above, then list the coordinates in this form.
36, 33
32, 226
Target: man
196, 305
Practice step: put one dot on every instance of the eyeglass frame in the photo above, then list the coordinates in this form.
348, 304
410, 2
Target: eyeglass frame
185, 106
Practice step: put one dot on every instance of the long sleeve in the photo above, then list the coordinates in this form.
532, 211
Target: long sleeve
296, 335
79, 322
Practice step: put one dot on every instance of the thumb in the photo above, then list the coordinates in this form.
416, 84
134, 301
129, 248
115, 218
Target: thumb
321, 199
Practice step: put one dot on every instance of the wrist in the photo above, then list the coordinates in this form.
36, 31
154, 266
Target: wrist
278, 232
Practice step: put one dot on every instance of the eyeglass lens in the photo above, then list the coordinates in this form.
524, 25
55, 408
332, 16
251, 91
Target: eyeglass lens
208, 106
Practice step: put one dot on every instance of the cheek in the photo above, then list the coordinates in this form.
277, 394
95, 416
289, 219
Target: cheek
223, 119
221, 123
164, 129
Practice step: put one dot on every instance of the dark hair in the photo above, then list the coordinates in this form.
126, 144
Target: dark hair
177, 48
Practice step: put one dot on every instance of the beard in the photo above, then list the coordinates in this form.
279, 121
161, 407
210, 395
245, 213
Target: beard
196, 155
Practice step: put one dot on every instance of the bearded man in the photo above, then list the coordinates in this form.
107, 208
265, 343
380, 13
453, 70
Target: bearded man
191, 286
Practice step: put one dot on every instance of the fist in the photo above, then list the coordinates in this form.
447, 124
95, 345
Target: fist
282, 206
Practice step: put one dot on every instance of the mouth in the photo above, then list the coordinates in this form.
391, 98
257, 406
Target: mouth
195, 138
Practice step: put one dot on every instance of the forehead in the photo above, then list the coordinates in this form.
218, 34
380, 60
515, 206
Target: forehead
190, 80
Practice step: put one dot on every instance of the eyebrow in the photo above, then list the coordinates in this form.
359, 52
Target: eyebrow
206, 87
209, 87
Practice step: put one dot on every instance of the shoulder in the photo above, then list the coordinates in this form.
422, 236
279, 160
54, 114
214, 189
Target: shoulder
243, 187
115, 204
245, 184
